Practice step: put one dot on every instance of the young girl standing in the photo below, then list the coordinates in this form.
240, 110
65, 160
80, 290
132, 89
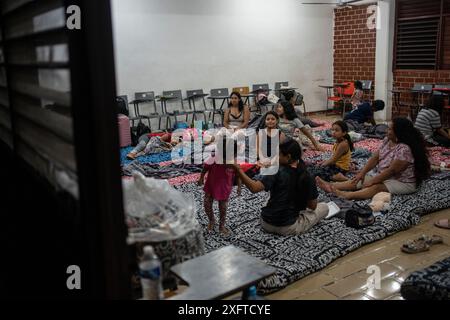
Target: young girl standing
218, 186
338, 165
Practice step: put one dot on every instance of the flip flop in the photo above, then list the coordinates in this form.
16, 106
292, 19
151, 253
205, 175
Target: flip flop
434, 239
444, 223
415, 246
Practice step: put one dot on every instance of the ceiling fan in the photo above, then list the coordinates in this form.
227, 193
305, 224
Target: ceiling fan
338, 3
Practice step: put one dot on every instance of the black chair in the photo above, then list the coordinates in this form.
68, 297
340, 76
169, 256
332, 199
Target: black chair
191, 97
218, 94
172, 96
145, 98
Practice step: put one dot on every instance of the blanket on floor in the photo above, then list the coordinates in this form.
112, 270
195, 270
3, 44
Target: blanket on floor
431, 283
295, 257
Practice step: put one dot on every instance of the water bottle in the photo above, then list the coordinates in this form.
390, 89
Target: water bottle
150, 273
252, 294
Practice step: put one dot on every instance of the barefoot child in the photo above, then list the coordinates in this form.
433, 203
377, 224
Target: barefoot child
338, 165
218, 186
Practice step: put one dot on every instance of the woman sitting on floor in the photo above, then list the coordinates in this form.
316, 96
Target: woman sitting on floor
402, 165
292, 207
291, 125
291, 97
237, 115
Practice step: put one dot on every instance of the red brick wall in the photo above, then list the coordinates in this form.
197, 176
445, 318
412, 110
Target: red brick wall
405, 80
354, 46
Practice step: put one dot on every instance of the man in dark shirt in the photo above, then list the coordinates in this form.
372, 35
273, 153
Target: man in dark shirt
292, 207
364, 112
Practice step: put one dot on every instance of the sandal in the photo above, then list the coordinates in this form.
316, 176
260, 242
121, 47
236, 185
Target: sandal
444, 223
415, 246
434, 239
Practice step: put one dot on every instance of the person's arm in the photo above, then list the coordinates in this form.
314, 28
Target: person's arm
443, 133
341, 149
372, 121
226, 116
246, 117
252, 185
396, 167
239, 186
311, 138
201, 180
373, 161
312, 204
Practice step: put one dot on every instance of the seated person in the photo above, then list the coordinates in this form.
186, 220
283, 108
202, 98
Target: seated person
292, 208
357, 97
428, 122
291, 97
401, 165
291, 125
338, 165
237, 115
364, 112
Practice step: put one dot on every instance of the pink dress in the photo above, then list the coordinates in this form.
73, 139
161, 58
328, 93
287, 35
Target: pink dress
219, 181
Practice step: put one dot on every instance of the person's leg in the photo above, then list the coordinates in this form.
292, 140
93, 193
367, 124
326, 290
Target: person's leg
223, 215
365, 193
208, 205
339, 177
348, 185
142, 143
308, 218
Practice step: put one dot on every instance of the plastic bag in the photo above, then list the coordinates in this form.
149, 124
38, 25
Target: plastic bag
156, 211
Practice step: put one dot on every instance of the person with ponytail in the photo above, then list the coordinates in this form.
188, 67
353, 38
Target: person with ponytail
292, 207
401, 165
338, 165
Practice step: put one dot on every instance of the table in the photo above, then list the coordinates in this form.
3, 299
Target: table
220, 274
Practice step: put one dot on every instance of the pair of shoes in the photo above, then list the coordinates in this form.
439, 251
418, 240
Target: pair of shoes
444, 223
421, 244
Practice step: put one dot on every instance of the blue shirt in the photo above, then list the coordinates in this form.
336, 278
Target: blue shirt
362, 113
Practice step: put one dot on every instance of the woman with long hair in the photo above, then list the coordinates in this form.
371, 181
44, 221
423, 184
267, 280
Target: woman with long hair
401, 165
291, 125
237, 115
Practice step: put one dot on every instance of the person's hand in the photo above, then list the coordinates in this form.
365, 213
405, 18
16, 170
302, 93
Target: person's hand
239, 191
201, 181
358, 177
319, 148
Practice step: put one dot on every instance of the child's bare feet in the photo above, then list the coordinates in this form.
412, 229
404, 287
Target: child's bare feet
224, 231
339, 177
325, 186
339, 193
211, 225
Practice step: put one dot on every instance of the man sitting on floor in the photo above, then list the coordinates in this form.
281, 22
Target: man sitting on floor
364, 112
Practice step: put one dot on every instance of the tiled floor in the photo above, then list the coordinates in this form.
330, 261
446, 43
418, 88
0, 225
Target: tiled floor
346, 278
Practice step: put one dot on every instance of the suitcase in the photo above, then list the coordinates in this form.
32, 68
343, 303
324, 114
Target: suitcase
124, 130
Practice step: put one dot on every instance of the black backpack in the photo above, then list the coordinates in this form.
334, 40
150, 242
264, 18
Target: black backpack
138, 131
358, 216
122, 106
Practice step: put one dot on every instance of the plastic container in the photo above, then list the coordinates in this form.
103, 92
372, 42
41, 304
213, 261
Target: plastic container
150, 273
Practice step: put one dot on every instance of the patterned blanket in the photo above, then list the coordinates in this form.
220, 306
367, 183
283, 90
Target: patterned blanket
295, 257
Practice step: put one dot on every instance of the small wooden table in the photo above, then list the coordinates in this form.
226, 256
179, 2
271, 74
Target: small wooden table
219, 274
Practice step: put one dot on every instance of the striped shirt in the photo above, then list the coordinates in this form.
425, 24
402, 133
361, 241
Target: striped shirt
427, 121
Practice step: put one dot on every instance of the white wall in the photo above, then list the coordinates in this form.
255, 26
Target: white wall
192, 44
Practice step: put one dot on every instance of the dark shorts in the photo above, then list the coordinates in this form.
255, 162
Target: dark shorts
326, 173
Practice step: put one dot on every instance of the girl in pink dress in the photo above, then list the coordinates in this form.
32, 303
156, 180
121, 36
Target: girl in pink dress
218, 186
